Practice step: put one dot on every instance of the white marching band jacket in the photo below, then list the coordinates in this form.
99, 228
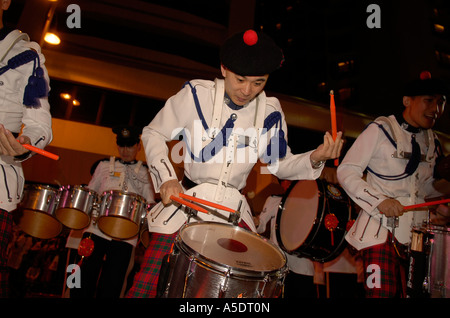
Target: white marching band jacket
199, 114
384, 148
34, 122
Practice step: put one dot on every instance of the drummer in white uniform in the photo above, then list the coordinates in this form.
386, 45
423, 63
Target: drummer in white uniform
227, 125
399, 153
20, 105
127, 175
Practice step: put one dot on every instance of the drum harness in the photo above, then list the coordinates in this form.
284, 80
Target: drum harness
224, 137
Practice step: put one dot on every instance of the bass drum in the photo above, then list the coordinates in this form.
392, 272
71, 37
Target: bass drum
35, 214
218, 260
312, 220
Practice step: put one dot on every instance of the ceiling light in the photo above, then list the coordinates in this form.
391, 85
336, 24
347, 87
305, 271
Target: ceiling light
52, 38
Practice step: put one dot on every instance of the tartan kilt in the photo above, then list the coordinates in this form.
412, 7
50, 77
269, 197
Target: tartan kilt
391, 260
146, 280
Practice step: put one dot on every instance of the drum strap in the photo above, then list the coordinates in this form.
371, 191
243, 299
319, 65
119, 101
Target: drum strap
398, 141
37, 85
112, 161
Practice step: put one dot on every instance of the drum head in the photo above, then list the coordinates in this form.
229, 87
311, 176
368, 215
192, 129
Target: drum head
118, 227
73, 218
38, 224
299, 212
232, 246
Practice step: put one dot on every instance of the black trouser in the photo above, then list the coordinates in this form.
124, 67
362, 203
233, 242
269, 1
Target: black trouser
110, 260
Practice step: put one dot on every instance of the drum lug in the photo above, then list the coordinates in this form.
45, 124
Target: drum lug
189, 273
223, 286
260, 293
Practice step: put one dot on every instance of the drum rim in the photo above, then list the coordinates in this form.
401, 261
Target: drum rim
233, 270
40, 186
84, 188
125, 193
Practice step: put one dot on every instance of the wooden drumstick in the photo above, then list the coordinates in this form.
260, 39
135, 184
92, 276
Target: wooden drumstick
41, 151
205, 202
188, 204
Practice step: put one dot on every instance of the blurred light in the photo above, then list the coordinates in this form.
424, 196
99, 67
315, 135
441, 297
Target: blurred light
439, 28
75, 102
52, 38
65, 96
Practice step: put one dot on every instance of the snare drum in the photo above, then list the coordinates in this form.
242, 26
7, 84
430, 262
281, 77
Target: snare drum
75, 206
218, 260
312, 220
120, 214
35, 214
429, 273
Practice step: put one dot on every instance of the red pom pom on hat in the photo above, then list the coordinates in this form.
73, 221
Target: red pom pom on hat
250, 37
425, 75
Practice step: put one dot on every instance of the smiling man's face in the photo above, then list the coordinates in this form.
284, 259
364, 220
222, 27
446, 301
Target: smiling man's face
423, 111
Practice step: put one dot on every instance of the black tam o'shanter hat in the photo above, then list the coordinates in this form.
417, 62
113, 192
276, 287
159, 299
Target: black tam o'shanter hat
251, 53
425, 85
127, 136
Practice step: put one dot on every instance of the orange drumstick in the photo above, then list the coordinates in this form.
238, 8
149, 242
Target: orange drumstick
205, 202
188, 204
411, 207
41, 152
333, 122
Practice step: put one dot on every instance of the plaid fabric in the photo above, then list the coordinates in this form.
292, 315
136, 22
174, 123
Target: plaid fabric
146, 280
391, 261
6, 222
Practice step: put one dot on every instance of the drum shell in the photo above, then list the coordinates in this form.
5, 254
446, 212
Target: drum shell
35, 214
318, 244
429, 254
75, 206
120, 214
208, 278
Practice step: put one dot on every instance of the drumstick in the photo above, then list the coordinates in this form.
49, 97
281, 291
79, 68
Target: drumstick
41, 151
205, 202
411, 207
333, 122
188, 204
